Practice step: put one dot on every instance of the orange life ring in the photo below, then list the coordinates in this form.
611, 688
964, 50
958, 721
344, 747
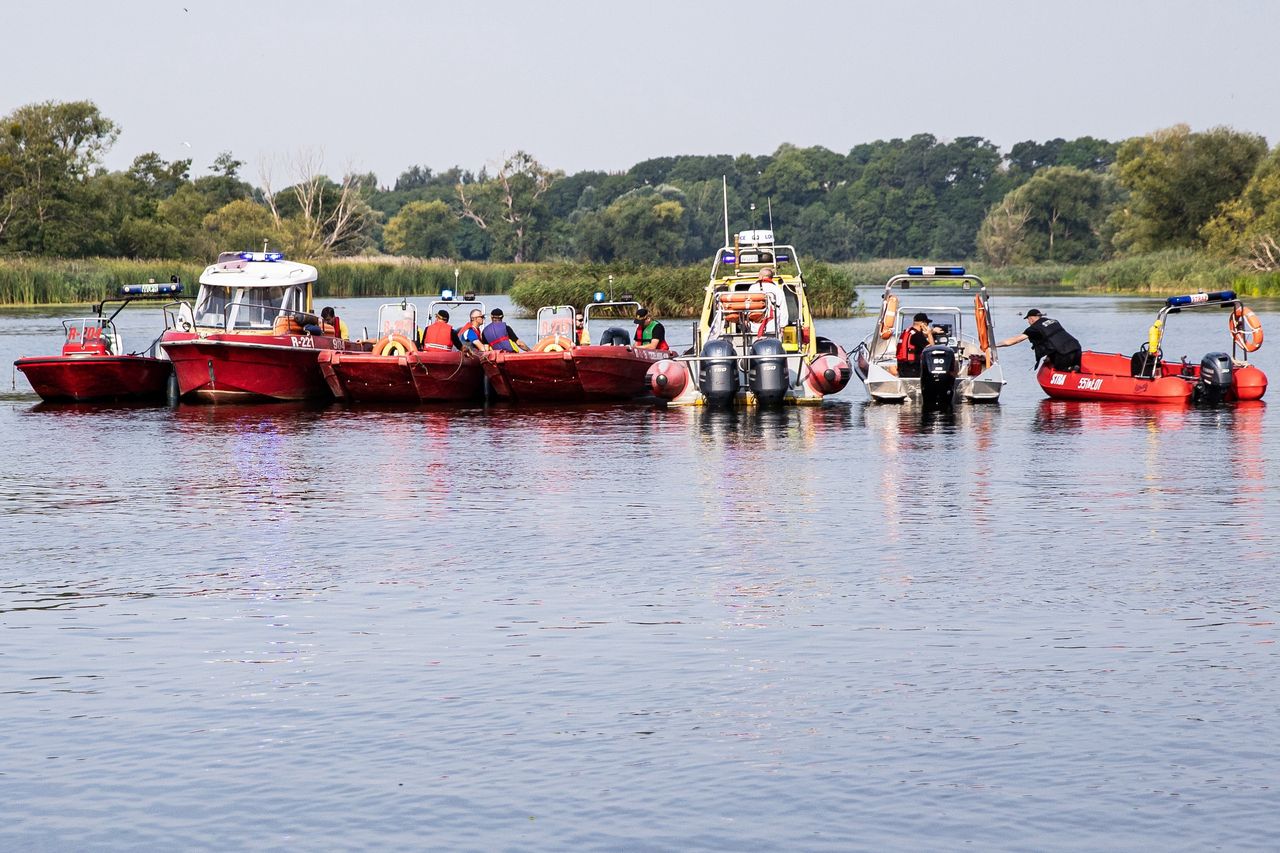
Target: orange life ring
552, 343
394, 345
980, 318
888, 317
751, 303
1246, 329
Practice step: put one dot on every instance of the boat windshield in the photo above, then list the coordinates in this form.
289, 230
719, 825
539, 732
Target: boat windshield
211, 306
246, 307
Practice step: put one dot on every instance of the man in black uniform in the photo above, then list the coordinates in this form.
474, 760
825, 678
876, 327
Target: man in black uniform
1048, 338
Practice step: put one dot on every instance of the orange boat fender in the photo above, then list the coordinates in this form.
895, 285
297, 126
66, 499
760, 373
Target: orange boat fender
394, 345
980, 318
552, 343
889, 316
1246, 329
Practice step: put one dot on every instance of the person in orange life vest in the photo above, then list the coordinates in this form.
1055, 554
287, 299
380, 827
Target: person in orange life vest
469, 334
913, 339
650, 334
499, 336
440, 334
332, 324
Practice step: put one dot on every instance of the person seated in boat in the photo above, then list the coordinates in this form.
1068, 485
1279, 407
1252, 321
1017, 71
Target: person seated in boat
580, 331
911, 343
1048, 340
469, 334
440, 335
650, 334
332, 324
499, 336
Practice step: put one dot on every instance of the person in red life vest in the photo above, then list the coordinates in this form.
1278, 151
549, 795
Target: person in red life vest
332, 324
765, 277
440, 334
911, 343
499, 336
650, 334
469, 334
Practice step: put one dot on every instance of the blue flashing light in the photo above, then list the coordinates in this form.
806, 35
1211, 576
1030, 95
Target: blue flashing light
728, 258
598, 296
927, 271
262, 256
1200, 298
151, 289
446, 295
781, 258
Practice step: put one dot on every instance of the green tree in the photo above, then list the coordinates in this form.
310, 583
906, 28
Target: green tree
1247, 228
1178, 181
424, 229
47, 153
1055, 216
509, 207
646, 225
239, 225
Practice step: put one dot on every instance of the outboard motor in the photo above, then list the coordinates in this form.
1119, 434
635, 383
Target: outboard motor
1215, 380
613, 336
718, 373
938, 369
768, 378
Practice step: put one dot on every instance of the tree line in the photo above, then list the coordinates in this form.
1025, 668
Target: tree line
1065, 201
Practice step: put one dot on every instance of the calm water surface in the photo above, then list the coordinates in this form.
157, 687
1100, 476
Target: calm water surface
1036, 626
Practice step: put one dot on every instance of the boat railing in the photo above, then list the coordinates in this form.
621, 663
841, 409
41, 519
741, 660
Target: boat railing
1216, 299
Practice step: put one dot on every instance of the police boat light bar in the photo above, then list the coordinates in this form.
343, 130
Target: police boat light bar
446, 295
1200, 298
152, 289
928, 271
262, 256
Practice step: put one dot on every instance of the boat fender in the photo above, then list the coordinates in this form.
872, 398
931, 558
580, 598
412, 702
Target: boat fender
1246, 329
394, 345
552, 343
1153, 336
980, 319
888, 317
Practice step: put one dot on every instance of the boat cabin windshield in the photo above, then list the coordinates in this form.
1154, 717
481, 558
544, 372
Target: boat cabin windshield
556, 320
247, 307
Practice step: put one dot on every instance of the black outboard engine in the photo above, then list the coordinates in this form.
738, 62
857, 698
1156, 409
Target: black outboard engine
718, 373
768, 378
1215, 380
614, 337
938, 370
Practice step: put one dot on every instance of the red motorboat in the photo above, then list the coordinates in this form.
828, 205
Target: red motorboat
397, 370
94, 364
252, 334
1145, 377
558, 370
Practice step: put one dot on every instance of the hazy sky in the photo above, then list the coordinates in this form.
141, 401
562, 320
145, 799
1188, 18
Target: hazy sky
384, 84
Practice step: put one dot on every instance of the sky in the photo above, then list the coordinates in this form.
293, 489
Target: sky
381, 85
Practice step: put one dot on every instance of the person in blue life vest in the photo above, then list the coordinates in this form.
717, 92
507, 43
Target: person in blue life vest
499, 336
469, 334
1048, 340
650, 334
911, 343
440, 335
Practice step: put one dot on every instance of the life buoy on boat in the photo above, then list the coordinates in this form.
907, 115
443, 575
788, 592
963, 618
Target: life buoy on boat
889, 316
751, 303
1246, 328
980, 318
394, 345
552, 343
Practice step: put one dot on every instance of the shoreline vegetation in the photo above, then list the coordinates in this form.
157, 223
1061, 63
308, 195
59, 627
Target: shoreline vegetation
671, 291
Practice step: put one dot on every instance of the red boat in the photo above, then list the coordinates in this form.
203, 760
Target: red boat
557, 370
397, 371
1145, 377
94, 365
251, 334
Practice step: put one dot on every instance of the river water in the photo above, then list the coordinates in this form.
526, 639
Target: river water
1034, 626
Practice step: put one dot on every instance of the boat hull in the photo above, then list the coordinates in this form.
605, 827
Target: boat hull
225, 368
96, 377
362, 377
583, 374
1106, 377
884, 387
446, 376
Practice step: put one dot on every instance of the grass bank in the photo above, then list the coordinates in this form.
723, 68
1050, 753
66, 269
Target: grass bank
668, 291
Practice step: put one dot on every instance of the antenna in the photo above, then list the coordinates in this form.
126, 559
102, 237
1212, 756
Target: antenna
769, 200
725, 183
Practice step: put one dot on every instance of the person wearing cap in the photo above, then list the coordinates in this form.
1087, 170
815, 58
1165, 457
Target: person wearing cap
469, 334
440, 335
499, 336
911, 343
1048, 340
650, 334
